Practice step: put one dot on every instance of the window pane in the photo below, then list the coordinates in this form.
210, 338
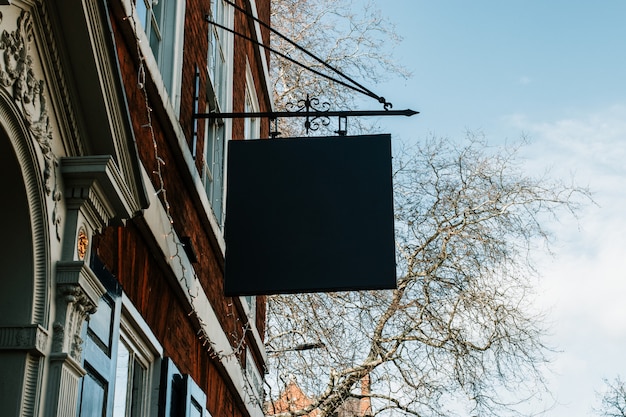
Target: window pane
154, 45
128, 397
137, 392
121, 381
142, 13
212, 58
157, 10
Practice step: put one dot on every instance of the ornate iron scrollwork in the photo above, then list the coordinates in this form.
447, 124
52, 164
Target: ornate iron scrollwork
316, 114
313, 110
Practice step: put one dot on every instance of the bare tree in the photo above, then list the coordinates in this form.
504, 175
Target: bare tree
613, 399
357, 41
459, 335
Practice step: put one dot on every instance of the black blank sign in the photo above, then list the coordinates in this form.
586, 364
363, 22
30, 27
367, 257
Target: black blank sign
309, 215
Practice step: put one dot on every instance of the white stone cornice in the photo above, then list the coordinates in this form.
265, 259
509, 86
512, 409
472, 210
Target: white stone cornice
77, 273
97, 181
32, 338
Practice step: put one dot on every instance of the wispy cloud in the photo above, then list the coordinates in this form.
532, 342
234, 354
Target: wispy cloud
584, 286
593, 145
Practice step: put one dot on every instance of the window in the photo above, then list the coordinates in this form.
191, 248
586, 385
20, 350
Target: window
251, 303
122, 359
163, 24
213, 170
254, 377
182, 397
218, 97
217, 63
127, 375
129, 379
133, 373
150, 14
251, 124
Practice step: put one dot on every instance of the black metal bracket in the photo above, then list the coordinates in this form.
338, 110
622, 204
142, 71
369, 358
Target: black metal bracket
316, 114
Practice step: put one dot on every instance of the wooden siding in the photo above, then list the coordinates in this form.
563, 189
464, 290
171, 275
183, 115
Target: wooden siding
130, 252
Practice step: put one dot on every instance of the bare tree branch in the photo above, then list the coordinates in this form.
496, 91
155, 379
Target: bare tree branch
613, 399
459, 334
357, 41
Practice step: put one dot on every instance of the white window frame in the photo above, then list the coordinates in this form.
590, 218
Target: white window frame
219, 69
213, 170
252, 125
145, 349
250, 307
218, 61
165, 35
254, 377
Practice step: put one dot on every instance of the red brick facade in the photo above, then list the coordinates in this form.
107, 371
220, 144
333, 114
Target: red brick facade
129, 252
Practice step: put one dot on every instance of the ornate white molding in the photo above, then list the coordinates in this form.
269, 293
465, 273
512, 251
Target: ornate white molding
65, 375
99, 121
78, 292
25, 150
31, 338
77, 273
58, 88
17, 77
96, 182
94, 195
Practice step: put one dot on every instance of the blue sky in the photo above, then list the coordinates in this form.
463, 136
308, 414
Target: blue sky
554, 71
476, 63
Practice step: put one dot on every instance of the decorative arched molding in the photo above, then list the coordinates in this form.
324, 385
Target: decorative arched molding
25, 120
12, 123
25, 125
31, 338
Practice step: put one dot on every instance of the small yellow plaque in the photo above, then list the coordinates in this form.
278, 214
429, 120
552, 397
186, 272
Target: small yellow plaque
83, 242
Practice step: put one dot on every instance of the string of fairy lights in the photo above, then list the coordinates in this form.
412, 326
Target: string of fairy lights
238, 340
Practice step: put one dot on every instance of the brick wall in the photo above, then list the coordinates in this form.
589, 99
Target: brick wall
129, 252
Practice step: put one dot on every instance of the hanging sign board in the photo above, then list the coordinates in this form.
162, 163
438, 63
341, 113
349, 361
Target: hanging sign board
309, 215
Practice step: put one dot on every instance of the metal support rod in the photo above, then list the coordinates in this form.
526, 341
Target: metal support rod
329, 113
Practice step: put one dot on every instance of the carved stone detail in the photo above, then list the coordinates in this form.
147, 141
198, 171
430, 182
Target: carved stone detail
78, 291
32, 338
78, 307
17, 76
95, 186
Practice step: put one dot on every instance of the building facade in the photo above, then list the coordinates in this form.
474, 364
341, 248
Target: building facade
292, 399
111, 294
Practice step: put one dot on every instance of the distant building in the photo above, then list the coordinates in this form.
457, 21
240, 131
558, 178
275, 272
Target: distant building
293, 399
112, 257
290, 400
